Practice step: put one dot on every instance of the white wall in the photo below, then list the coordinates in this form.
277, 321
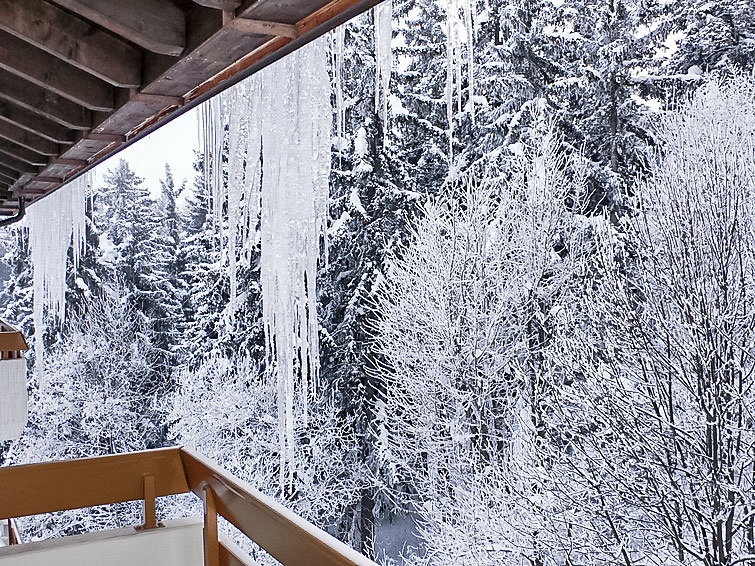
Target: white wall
179, 543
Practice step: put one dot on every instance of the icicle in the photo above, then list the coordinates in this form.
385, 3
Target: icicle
383, 61
211, 123
450, 86
279, 152
55, 223
338, 40
234, 100
469, 24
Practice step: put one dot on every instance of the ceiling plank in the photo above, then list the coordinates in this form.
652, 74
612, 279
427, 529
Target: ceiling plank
17, 165
22, 153
155, 25
35, 124
45, 70
219, 4
13, 133
38, 100
73, 40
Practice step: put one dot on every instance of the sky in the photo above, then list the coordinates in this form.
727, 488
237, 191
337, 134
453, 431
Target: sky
174, 144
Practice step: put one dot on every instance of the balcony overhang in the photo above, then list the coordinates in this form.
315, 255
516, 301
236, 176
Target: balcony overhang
82, 79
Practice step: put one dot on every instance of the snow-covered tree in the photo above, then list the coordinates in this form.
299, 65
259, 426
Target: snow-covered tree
96, 402
657, 370
464, 314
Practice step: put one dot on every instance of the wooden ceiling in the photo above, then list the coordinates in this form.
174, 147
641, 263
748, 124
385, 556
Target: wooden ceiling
82, 79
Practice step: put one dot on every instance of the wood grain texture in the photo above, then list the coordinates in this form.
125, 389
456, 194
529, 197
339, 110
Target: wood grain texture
155, 25
45, 70
13, 133
35, 124
73, 40
73, 484
22, 153
44, 103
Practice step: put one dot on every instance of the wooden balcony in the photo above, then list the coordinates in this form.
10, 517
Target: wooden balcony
58, 486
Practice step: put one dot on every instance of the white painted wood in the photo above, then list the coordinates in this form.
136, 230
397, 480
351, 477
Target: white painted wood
179, 543
14, 402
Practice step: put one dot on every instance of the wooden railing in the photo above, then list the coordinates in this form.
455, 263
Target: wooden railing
58, 486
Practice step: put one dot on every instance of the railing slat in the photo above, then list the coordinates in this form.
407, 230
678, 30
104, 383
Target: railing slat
284, 535
72, 484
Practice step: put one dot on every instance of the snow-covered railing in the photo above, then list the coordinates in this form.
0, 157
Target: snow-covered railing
58, 486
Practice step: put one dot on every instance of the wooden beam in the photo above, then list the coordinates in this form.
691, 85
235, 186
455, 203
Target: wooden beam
46, 179
44, 70
38, 100
22, 153
8, 174
35, 124
155, 25
25, 139
66, 162
158, 99
262, 27
219, 4
106, 137
17, 165
73, 40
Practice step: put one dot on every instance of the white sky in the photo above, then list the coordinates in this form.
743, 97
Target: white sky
173, 144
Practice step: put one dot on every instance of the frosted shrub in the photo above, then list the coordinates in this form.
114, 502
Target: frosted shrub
464, 313
226, 410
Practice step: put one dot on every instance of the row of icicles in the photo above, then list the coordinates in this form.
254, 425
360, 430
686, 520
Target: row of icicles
281, 116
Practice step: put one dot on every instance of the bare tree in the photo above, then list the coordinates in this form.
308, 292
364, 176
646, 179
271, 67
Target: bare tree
656, 367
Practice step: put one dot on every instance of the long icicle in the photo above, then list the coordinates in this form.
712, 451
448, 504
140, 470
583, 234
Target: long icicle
55, 223
382, 15
279, 155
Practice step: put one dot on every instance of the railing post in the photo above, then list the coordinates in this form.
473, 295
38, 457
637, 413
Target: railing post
150, 512
211, 545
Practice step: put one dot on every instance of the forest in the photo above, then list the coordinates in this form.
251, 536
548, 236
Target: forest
513, 325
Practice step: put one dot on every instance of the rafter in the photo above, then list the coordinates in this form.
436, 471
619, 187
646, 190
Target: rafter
44, 70
219, 4
73, 40
8, 174
17, 165
35, 124
156, 25
38, 100
25, 139
23, 154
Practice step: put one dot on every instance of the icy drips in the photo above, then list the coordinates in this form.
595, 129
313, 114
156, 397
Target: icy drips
337, 62
460, 36
55, 223
383, 61
280, 117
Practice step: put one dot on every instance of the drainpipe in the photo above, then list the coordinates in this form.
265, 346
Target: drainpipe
19, 215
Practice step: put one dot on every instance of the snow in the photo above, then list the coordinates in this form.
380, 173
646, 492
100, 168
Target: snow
270, 122
55, 223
